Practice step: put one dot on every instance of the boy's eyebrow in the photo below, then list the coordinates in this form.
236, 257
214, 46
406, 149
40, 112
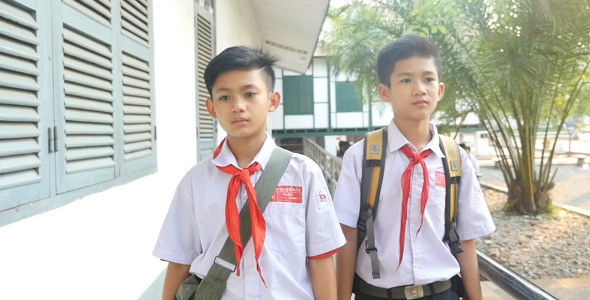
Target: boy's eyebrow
249, 86
224, 89
411, 73
221, 89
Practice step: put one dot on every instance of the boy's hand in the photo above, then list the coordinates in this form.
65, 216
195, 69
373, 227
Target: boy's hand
346, 263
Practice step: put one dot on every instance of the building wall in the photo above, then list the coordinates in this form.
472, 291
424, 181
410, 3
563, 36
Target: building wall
325, 112
236, 25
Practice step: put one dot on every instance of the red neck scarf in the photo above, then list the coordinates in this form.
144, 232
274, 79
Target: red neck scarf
232, 216
415, 159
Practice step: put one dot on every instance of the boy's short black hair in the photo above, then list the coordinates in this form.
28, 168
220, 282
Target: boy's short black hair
464, 146
404, 48
240, 58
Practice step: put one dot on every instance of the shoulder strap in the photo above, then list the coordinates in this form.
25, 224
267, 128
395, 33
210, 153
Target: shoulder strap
214, 283
374, 150
452, 167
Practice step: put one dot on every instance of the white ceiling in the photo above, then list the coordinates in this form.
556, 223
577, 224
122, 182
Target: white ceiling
290, 29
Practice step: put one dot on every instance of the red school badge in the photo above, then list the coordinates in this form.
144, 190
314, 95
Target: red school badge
288, 194
441, 180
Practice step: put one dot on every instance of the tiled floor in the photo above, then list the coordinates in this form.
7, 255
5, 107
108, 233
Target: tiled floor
491, 291
566, 289
563, 289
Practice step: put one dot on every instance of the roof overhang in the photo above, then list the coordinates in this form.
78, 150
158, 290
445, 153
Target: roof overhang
290, 29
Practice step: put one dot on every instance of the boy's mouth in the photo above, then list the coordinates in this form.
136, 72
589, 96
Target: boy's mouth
421, 102
240, 121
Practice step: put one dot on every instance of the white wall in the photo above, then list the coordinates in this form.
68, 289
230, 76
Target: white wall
100, 246
330, 144
174, 56
235, 25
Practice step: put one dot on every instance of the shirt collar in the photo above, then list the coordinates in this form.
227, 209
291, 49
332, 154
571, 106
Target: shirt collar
396, 139
226, 157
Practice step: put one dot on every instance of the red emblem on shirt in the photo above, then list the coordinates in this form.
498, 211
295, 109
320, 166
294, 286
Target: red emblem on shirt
288, 194
441, 179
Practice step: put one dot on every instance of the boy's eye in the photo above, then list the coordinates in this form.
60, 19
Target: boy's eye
405, 80
250, 94
224, 98
430, 80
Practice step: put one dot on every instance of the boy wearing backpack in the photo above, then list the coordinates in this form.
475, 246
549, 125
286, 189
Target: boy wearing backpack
410, 256
293, 239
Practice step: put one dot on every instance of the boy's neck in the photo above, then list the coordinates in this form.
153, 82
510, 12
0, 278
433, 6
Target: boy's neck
244, 150
417, 133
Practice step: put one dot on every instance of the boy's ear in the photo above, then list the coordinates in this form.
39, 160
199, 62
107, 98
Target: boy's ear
210, 108
275, 100
384, 92
441, 90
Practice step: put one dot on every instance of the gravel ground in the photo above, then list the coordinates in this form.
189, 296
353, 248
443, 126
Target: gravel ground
543, 246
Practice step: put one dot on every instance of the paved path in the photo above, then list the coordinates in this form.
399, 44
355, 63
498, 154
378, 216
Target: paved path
572, 182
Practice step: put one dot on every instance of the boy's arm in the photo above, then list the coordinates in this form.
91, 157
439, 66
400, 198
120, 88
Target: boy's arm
346, 263
470, 270
323, 277
175, 275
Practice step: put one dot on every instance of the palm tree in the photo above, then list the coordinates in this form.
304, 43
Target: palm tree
520, 65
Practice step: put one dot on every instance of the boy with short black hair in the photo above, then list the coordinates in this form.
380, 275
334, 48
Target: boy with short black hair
472, 158
290, 254
415, 262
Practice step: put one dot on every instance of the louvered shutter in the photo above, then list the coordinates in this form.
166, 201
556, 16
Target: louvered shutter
139, 150
98, 10
135, 20
206, 131
84, 79
24, 126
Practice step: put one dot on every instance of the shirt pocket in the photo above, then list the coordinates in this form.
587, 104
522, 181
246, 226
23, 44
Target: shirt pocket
285, 227
436, 200
436, 208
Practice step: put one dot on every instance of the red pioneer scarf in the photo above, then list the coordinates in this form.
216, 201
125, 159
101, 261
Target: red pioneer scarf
415, 159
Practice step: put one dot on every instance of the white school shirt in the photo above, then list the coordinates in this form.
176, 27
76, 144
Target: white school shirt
426, 258
300, 223
474, 163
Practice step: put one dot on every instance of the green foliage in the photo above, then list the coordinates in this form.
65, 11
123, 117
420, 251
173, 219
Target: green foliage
521, 65
527, 62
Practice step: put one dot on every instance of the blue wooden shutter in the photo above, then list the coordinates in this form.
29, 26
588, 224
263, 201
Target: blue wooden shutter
24, 124
85, 93
136, 64
207, 130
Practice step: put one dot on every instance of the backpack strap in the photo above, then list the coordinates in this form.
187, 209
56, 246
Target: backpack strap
214, 283
375, 144
452, 167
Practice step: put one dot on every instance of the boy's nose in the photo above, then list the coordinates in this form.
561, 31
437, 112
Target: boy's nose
239, 105
419, 89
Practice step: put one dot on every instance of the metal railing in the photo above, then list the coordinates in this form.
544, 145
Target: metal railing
509, 281
329, 163
506, 279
